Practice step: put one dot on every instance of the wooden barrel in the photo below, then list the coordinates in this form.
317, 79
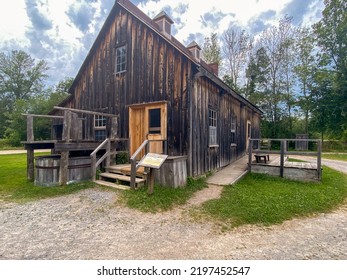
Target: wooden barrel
47, 170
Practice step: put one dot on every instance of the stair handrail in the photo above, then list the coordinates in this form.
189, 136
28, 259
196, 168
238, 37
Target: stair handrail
94, 163
133, 164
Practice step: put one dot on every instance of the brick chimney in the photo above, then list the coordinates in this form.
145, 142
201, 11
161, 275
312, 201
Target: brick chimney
214, 67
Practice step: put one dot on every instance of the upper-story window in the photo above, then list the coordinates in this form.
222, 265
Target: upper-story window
121, 59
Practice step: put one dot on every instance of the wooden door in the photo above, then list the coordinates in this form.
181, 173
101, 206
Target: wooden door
148, 121
136, 129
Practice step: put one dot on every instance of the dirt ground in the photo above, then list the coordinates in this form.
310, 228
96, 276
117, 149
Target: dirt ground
91, 224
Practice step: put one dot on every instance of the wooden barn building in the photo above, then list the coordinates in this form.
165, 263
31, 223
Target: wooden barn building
139, 83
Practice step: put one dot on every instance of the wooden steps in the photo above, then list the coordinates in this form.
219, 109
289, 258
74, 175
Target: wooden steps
118, 176
125, 169
112, 185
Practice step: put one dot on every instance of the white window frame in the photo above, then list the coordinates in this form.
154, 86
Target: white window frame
233, 126
121, 59
100, 123
212, 121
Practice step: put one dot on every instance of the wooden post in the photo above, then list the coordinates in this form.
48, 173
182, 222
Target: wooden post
250, 155
114, 128
93, 167
133, 173
67, 126
108, 151
30, 164
30, 128
283, 144
319, 159
150, 181
64, 164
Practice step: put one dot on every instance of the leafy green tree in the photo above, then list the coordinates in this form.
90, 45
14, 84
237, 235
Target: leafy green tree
275, 42
21, 78
304, 70
211, 49
331, 33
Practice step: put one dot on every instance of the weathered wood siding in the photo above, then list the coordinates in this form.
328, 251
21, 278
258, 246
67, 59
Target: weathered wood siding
156, 71
203, 158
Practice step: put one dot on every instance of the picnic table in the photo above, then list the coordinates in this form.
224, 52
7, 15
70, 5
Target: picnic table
259, 157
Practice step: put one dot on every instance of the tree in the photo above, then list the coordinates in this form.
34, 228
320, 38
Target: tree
21, 78
304, 70
211, 50
275, 42
41, 103
331, 33
237, 44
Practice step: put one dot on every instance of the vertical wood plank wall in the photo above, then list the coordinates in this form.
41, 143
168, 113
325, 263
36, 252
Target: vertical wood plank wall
156, 71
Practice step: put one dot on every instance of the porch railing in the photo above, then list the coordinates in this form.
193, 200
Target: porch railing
106, 156
133, 162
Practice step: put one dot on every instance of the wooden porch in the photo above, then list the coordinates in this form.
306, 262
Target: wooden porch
72, 142
100, 153
275, 162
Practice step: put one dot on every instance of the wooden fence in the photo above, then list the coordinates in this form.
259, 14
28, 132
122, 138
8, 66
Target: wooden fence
264, 147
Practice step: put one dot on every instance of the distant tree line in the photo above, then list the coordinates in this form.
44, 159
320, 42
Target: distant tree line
296, 75
23, 90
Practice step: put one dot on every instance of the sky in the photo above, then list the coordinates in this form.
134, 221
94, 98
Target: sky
61, 32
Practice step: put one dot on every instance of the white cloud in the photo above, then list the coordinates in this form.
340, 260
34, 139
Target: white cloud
65, 45
13, 22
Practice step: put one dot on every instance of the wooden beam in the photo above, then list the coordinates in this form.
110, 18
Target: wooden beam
67, 126
44, 116
85, 111
30, 128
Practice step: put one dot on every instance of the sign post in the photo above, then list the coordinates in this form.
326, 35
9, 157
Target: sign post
152, 161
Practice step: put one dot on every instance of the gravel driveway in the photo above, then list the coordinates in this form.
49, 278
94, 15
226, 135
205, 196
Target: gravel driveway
91, 224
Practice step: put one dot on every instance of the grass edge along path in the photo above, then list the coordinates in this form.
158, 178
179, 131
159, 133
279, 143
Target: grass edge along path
14, 186
266, 200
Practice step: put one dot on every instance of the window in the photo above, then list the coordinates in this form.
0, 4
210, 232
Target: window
212, 120
121, 59
100, 127
233, 129
154, 121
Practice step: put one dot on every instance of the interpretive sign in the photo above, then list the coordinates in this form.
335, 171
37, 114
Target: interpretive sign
152, 160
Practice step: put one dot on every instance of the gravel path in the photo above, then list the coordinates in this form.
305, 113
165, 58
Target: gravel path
91, 225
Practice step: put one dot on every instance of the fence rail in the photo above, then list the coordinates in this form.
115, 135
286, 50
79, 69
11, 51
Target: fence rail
255, 147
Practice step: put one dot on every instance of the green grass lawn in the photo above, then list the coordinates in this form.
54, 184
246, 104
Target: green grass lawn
256, 199
266, 200
336, 156
163, 198
15, 187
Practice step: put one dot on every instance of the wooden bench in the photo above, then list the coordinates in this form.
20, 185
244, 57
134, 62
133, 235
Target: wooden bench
258, 157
